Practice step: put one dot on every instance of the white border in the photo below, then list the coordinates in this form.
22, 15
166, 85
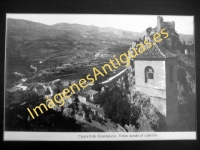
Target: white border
97, 136
93, 136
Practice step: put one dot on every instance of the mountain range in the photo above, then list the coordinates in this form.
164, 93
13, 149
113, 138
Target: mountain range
28, 41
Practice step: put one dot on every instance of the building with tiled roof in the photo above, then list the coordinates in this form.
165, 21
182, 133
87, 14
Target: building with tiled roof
156, 52
156, 76
93, 94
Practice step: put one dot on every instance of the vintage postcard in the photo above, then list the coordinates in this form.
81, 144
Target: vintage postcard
98, 77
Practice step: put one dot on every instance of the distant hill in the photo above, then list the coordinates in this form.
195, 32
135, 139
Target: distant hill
29, 41
33, 40
37, 41
189, 39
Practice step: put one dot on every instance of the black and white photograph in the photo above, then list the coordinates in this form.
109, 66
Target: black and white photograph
82, 77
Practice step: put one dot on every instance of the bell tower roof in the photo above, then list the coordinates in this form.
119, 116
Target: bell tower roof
156, 52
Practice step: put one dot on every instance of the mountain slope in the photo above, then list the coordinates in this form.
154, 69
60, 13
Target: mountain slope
28, 42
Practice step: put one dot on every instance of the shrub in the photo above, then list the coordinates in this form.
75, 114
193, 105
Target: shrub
88, 119
93, 117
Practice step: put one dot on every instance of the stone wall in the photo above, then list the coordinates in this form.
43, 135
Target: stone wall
171, 63
172, 92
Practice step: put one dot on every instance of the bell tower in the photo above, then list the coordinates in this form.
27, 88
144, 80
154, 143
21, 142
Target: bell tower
156, 76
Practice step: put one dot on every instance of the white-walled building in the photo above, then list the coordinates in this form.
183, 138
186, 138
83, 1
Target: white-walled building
83, 98
93, 94
156, 76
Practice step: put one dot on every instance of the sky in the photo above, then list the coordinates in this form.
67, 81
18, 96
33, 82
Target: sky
135, 23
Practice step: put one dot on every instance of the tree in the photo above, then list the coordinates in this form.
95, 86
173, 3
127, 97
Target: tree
116, 106
134, 115
76, 102
97, 86
183, 43
123, 111
87, 112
